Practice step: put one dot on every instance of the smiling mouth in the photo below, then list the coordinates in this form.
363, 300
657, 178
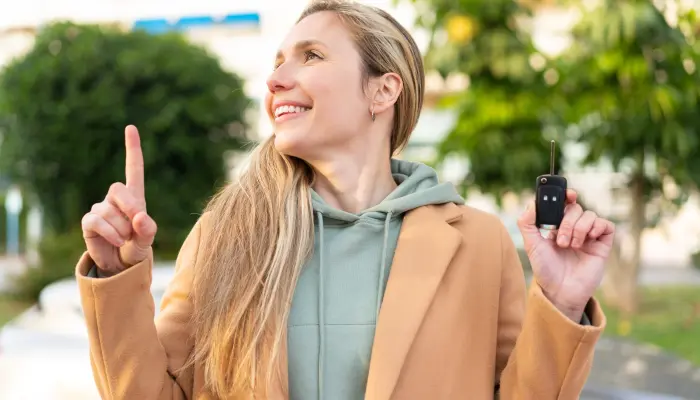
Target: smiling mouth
287, 110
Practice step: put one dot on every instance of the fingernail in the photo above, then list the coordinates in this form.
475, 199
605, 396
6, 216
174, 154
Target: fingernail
563, 240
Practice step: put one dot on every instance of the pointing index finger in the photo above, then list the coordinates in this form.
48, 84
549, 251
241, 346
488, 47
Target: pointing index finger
134, 162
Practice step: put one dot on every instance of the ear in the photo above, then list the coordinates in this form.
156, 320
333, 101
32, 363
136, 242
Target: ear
386, 90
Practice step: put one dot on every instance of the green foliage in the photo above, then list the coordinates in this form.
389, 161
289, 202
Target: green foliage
630, 83
695, 259
627, 88
64, 106
501, 116
10, 308
59, 254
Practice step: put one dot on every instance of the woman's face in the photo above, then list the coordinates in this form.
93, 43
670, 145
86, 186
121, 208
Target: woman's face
316, 100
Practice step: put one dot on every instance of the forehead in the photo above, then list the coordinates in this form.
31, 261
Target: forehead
324, 27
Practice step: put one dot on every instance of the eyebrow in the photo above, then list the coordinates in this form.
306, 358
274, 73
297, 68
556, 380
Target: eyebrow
298, 46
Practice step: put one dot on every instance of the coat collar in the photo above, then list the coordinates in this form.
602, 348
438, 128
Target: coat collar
425, 248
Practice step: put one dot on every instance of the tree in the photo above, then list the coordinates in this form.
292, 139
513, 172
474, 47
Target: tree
499, 128
65, 103
629, 84
627, 88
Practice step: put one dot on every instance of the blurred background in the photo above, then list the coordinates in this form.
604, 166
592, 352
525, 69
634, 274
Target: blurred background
615, 83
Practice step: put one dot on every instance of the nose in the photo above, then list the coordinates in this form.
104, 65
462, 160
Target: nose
280, 80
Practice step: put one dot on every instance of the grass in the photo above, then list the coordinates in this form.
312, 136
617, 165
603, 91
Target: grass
9, 308
668, 317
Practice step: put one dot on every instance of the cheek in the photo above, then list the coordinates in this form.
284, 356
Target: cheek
268, 103
318, 84
336, 94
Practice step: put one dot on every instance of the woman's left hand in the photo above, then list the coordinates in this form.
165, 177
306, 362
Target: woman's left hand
569, 266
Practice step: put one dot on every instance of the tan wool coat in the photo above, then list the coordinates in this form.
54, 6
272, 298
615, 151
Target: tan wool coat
453, 323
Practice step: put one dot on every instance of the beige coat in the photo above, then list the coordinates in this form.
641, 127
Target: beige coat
453, 310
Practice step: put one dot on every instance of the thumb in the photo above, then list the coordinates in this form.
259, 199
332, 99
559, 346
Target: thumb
145, 229
528, 218
526, 224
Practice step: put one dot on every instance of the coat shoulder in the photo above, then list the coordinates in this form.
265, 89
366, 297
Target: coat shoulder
479, 224
479, 227
479, 215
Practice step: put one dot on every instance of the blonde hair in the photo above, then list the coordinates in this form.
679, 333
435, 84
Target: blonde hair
262, 228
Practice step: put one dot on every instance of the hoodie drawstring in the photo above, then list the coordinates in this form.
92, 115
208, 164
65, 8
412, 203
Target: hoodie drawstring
321, 297
382, 270
321, 310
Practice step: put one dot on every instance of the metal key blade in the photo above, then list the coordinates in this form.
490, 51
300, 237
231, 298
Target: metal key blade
552, 149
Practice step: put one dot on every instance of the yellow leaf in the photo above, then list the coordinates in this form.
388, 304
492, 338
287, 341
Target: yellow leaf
460, 28
624, 327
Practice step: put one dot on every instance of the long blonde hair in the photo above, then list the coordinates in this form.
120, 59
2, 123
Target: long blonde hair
261, 226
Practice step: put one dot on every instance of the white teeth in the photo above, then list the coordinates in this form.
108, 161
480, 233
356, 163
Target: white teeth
281, 110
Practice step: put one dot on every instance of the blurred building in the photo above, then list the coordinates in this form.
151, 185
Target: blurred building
245, 35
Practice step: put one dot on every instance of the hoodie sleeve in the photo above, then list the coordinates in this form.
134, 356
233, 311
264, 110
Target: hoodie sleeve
133, 356
541, 353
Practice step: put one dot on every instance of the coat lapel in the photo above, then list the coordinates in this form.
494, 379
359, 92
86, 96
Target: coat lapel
425, 248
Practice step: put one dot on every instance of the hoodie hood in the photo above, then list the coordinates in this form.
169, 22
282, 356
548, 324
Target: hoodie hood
417, 186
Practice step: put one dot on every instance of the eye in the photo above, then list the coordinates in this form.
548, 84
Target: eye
308, 55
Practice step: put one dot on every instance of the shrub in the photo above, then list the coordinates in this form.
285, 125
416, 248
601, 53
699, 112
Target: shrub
59, 255
64, 106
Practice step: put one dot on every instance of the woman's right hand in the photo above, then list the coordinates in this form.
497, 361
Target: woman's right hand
118, 232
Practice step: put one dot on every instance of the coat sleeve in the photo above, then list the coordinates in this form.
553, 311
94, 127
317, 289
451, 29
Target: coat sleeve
133, 355
541, 353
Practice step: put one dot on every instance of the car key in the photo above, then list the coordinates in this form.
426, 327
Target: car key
550, 197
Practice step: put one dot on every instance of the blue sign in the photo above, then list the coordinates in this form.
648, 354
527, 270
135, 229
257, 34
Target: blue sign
162, 25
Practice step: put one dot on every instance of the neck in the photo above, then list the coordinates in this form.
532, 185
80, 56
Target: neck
355, 182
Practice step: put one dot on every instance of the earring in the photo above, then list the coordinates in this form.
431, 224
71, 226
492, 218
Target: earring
372, 111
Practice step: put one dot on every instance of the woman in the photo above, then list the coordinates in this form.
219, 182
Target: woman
329, 270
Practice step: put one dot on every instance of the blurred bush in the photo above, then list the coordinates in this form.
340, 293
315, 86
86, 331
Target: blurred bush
695, 259
63, 108
59, 254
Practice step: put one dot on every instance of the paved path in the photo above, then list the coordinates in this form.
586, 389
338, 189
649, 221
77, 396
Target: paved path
670, 276
665, 276
622, 364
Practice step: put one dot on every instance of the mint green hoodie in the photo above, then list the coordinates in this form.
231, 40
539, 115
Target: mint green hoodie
337, 299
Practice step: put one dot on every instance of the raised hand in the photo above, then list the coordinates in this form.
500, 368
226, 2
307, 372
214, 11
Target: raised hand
118, 232
569, 266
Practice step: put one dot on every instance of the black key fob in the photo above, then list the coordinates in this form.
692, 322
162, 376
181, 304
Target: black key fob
550, 199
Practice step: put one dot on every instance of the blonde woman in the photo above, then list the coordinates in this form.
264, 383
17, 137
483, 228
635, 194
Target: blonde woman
331, 271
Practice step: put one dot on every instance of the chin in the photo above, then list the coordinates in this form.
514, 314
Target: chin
290, 145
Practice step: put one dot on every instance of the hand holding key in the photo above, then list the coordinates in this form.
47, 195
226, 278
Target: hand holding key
118, 232
569, 262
